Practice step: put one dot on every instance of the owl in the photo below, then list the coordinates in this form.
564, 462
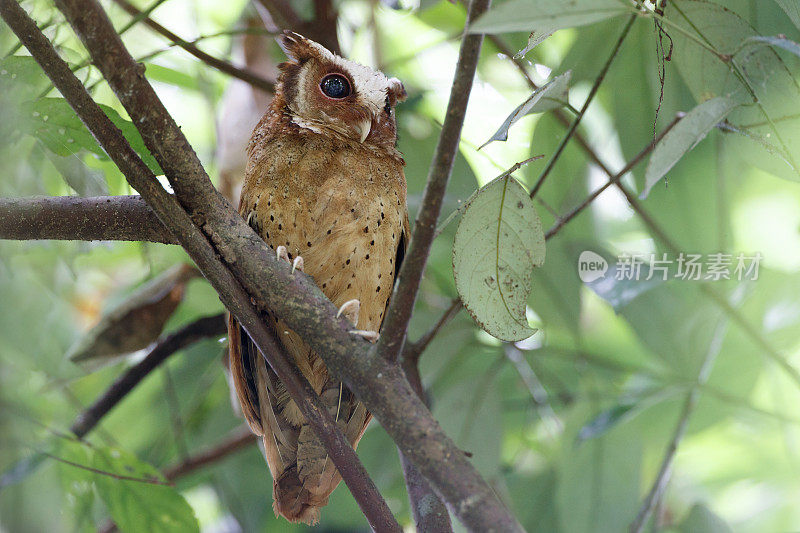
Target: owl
324, 187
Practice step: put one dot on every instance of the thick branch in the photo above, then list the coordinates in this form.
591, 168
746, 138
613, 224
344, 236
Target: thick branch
102, 218
177, 220
241, 73
430, 514
381, 386
405, 292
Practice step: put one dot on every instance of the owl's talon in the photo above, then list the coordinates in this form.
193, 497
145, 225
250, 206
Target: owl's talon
371, 336
297, 264
282, 253
350, 311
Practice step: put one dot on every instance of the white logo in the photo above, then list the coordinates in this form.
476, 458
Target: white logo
591, 266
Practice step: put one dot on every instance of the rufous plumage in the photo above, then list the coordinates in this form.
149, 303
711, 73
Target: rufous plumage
324, 186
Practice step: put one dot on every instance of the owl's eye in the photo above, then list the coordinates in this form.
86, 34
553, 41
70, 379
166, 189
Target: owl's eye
335, 86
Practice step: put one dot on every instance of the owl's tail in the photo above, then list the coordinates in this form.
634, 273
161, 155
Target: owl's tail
295, 502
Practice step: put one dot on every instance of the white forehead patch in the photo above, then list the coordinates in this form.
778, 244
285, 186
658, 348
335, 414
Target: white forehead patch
371, 86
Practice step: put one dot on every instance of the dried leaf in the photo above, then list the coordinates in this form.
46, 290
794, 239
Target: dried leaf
138, 321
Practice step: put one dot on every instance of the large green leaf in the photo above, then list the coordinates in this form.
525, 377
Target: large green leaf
498, 243
545, 15
136, 505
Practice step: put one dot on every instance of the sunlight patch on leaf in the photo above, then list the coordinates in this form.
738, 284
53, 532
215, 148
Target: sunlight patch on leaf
534, 39
684, 136
791, 8
498, 243
551, 95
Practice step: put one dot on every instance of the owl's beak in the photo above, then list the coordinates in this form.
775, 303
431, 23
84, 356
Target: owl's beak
363, 128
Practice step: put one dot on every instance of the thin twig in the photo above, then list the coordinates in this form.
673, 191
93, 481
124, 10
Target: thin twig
613, 180
240, 440
586, 103
405, 292
149, 481
206, 327
662, 478
225, 67
102, 218
413, 350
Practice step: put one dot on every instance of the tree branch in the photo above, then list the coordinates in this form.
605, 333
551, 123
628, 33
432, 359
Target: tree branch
577, 120
430, 513
241, 73
200, 329
239, 440
102, 218
405, 293
295, 299
172, 215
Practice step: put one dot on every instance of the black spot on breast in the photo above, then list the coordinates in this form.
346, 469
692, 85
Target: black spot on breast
272, 218
366, 229
280, 226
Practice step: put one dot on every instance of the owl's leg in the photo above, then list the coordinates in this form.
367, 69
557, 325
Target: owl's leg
350, 311
283, 254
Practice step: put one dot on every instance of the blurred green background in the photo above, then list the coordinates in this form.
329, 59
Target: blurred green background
572, 428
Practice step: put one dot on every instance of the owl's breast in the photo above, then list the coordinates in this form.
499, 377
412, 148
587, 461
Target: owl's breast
343, 211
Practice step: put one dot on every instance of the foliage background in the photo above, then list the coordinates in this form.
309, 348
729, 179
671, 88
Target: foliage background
611, 371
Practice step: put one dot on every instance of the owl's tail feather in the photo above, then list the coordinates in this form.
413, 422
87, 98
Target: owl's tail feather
293, 501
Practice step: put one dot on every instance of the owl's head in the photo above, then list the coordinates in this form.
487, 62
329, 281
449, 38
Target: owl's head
328, 94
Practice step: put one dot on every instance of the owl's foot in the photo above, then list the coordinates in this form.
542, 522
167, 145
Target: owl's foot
283, 254
371, 336
350, 311
297, 264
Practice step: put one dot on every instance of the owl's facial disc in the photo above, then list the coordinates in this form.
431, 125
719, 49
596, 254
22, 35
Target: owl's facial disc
327, 93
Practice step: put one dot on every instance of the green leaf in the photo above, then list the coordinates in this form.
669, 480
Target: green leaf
712, 61
702, 520
684, 136
551, 95
163, 74
498, 242
792, 8
779, 41
534, 39
140, 506
546, 15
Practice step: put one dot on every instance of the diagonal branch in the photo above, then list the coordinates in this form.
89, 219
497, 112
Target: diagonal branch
577, 120
237, 251
102, 218
172, 215
402, 303
241, 73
